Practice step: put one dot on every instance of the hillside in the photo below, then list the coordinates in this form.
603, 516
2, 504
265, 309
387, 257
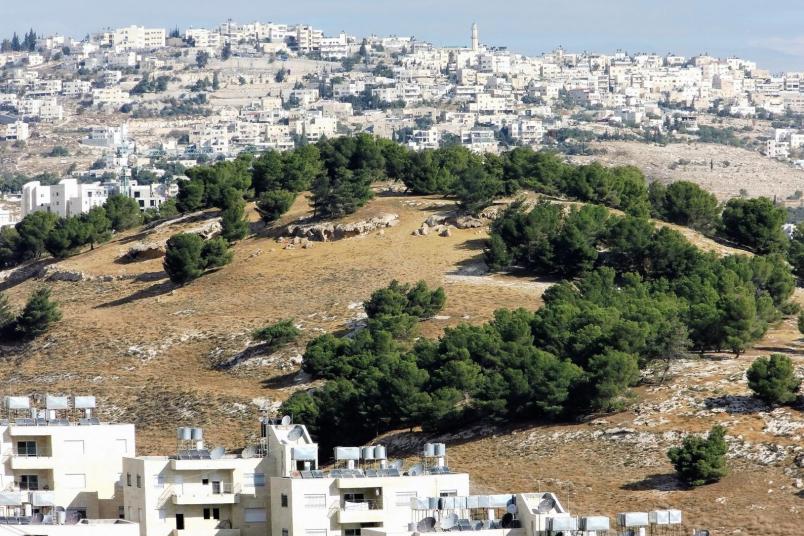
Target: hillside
150, 351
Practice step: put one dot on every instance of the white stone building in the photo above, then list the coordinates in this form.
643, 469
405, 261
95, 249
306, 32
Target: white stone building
65, 199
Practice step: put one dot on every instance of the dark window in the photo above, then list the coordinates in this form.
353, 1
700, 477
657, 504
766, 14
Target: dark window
29, 482
284, 499
139, 481
128, 479
179, 521
216, 513
206, 513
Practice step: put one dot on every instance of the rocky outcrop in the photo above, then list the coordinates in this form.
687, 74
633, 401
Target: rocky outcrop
327, 231
468, 222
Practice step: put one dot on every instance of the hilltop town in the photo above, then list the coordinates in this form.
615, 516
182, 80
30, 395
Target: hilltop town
132, 108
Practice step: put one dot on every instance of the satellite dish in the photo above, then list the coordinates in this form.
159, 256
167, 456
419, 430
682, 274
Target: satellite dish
396, 464
217, 453
248, 452
511, 509
545, 505
449, 521
286, 420
416, 470
296, 433
426, 525
507, 521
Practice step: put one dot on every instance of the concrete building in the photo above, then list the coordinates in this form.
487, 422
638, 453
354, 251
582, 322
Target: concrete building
138, 38
61, 466
65, 199
15, 130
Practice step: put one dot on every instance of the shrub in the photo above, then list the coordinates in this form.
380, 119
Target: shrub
272, 204
774, 379
701, 461
123, 212
278, 334
37, 316
183, 257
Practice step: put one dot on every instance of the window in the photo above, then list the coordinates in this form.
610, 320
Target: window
254, 515
139, 481
159, 481
75, 481
315, 501
403, 498
284, 499
448, 493
29, 482
179, 521
121, 512
206, 513
26, 448
216, 513
351, 532
284, 532
128, 479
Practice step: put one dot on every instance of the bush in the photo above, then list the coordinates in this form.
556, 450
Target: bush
774, 379
37, 316
701, 461
278, 334
58, 151
183, 261
272, 204
215, 253
123, 212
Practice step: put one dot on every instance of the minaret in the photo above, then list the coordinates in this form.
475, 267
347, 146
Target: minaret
475, 40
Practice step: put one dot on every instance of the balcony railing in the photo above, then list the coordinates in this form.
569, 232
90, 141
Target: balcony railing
361, 504
38, 452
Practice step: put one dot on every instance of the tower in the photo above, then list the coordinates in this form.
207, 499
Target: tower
475, 39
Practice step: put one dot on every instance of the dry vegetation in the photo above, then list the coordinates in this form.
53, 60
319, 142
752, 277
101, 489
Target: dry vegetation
148, 349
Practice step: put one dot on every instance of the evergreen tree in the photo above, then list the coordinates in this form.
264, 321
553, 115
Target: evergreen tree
16, 46
183, 261
98, 226
272, 204
123, 212
215, 253
701, 461
33, 230
38, 315
7, 316
774, 379
234, 225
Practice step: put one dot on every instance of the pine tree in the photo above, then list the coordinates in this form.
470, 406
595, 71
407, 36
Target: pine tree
701, 461
234, 225
15, 43
37, 316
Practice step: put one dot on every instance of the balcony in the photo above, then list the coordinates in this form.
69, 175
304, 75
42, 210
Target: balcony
35, 459
220, 493
361, 511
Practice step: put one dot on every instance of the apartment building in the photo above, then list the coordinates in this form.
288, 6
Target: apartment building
138, 38
65, 199
203, 38
14, 130
60, 469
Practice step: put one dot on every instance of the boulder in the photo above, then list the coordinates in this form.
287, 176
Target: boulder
468, 222
445, 232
